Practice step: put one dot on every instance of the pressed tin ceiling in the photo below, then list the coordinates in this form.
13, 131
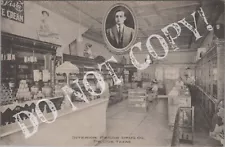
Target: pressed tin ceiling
152, 16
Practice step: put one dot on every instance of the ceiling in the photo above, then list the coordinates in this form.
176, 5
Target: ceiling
151, 16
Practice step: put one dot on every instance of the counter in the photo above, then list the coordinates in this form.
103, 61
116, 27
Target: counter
89, 120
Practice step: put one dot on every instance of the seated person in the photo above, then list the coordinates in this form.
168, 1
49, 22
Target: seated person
154, 86
154, 91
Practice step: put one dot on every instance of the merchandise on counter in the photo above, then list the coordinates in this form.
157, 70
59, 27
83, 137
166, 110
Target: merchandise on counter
34, 89
11, 84
23, 91
40, 95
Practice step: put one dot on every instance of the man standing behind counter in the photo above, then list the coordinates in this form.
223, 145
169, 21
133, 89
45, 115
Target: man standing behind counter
120, 35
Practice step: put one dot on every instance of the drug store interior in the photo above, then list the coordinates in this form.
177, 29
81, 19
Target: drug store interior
49, 45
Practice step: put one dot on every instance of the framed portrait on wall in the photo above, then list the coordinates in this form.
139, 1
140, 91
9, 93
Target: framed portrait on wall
119, 28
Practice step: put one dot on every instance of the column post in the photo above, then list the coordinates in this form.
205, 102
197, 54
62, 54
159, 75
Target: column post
79, 41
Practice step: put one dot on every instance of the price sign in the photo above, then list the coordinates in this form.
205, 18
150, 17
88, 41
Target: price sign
13, 9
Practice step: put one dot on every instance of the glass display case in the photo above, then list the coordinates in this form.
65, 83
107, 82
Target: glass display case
26, 67
26, 74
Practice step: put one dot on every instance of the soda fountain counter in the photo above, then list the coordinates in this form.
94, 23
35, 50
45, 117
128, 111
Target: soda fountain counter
68, 128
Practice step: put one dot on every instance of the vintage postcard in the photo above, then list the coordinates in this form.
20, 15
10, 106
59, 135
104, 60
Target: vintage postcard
112, 73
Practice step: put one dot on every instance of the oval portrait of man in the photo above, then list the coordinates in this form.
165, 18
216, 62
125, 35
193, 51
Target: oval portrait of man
119, 28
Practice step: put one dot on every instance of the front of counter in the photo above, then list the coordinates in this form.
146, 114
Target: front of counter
71, 128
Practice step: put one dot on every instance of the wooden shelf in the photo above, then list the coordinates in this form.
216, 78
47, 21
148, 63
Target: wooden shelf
25, 43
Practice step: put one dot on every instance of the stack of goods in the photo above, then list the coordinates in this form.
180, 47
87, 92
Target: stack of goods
6, 97
34, 91
23, 91
137, 100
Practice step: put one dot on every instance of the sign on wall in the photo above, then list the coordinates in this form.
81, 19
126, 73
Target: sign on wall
13, 10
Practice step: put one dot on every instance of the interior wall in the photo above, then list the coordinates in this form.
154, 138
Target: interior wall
179, 60
68, 30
